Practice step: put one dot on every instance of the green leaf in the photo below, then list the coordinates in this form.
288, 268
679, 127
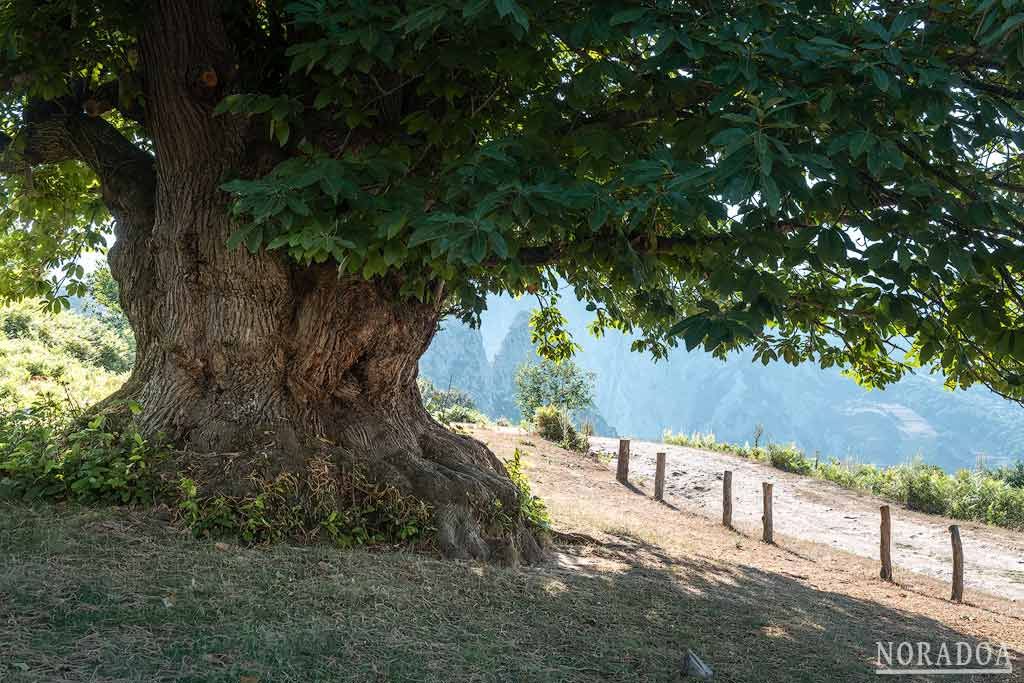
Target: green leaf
881, 78
860, 142
901, 24
1007, 26
771, 194
499, 245
507, 7
391, 224
428, 233
729, 136
628, 16
831, 246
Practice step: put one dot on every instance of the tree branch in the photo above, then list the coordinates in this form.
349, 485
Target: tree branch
49, 136
992, 88
552, 253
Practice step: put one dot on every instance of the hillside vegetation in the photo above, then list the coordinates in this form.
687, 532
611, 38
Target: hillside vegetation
993, 496
64, 356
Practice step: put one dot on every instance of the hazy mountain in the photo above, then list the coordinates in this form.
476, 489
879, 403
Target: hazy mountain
818, 409
456, 358
515, 350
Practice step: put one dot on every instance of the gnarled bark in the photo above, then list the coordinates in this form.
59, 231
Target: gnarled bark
241, 352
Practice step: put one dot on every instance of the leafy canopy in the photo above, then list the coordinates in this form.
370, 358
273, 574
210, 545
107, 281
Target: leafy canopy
836, 181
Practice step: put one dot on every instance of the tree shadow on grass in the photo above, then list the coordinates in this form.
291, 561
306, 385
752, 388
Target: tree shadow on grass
748, 624
78, 604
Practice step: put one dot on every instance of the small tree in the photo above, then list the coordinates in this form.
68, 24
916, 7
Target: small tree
104, 300
564, 385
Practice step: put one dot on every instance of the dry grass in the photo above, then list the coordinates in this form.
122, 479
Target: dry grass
118, 596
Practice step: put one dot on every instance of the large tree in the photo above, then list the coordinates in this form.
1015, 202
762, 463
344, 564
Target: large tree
301, 190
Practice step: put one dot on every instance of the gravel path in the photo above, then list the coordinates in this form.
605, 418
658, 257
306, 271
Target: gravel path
819, 511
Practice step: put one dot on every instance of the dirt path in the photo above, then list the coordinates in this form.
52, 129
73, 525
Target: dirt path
821, 512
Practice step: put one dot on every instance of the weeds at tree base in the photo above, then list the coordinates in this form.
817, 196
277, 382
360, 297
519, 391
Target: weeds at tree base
51, 452
531, 507
321, 503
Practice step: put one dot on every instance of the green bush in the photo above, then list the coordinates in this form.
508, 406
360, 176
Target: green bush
706, 441
554, 424
549, 383
46, 453
435, 400
929, 489
789, 458
549, 423
15, 323
1011, 474
59, 354
344, 508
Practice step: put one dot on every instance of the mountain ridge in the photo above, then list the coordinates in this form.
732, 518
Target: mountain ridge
819, 410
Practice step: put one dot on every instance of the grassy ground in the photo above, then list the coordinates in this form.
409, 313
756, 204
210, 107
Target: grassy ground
118, 596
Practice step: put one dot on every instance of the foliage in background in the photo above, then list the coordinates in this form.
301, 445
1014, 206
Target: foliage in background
1012, 475
435, 400
104, 302
81, 338
555, 425
449, 406
994, 497
46, 354
564, 385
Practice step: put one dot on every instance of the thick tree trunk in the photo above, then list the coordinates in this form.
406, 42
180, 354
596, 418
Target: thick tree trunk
243, 353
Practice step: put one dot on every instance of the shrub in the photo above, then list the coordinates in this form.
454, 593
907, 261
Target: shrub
16, 323
47, 454
697, 440
436, 400
549, 422
555, 425
531, 507
67, 335
1012, 475
929, 489
343, 508
789, 459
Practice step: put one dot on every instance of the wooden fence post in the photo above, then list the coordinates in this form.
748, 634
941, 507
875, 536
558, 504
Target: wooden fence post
622, 469
885, 552
659, 478
727, 500
958, 564
769, 532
